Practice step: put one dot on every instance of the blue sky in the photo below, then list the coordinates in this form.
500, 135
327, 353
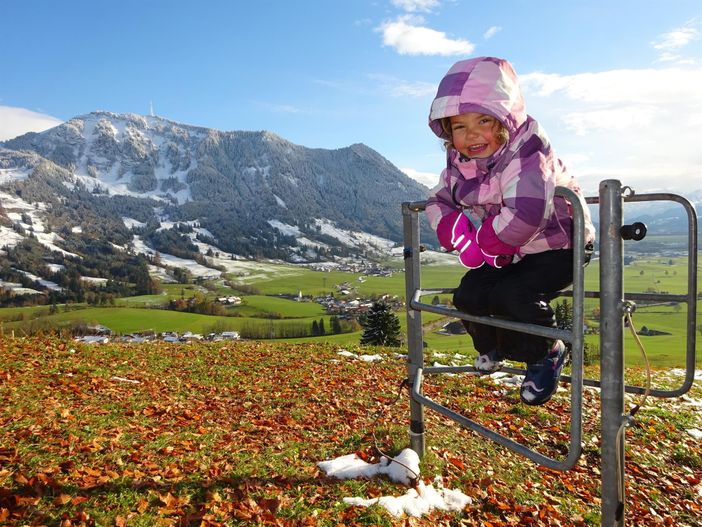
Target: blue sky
615, 84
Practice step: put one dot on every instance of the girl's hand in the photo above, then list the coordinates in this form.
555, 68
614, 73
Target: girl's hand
495, 252
456, 232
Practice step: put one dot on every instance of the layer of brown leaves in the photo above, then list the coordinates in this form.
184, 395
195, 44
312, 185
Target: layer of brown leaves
216, 435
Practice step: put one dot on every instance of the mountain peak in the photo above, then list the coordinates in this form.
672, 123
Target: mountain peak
234, 184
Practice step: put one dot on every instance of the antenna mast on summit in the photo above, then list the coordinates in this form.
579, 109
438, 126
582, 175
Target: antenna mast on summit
151, 105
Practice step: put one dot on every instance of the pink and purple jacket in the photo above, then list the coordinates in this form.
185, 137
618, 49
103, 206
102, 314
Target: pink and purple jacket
516, 184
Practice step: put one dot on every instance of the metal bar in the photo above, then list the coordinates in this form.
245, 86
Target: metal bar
547, 332
415, 340
532, 329
416, 367
611, 350
690, 298
568, 463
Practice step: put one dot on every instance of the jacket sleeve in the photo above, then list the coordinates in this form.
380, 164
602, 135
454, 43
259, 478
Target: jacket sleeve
440, 202
528, 186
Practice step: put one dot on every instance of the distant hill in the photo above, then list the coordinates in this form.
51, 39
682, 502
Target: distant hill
254, 192
148, 185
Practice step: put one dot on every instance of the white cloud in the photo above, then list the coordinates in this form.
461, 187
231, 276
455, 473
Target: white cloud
640, 126
412, 6
17, 121
491, 32
620, 118
678, 37
428, 179
400, 88
410, 39
668, 44
280, 108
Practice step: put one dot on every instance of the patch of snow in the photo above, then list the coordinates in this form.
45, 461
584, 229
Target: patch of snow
124, 379
93, 339
353, 239
284, 228
173, 261
680, 372
161, 274
508, 379
280, 202
9, 237
365, 358
697, 403
10, 202
18, 289
55, 268
77, 229
439, 258
403, 469
204, 232
41, 281
130, 223
418, 502
694, 432
47, 240
94, 280
8, 175
370, 358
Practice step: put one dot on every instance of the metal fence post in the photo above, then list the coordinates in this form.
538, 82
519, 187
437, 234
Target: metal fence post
415, 339
612, 352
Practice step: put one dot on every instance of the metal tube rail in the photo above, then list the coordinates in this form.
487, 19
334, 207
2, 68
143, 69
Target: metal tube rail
690, 299
568, 463
611, 353
613, 304
415, 340
416, 368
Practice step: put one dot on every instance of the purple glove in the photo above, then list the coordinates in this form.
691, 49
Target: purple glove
456, 231
496, 253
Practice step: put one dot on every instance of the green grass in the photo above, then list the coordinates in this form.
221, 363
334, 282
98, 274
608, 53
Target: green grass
259, 305
645, 273
232, 432
131, 320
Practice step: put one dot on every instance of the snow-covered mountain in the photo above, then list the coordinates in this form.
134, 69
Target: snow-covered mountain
149, 185
248, 189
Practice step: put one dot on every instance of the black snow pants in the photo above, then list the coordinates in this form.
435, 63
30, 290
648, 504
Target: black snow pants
520, 292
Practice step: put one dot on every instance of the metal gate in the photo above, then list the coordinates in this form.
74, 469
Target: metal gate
613, 308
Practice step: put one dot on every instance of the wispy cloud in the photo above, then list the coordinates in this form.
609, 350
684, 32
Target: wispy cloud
280, 108
412, 6
491, 32
401, 88
17, 121
641, 125
408, 38
669, 44
428, 179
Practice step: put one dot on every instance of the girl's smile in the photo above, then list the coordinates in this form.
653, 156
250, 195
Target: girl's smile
475, 134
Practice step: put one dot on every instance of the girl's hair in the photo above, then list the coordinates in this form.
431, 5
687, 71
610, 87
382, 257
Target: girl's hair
502, 133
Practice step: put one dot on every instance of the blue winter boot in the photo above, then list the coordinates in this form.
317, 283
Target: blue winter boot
541, 379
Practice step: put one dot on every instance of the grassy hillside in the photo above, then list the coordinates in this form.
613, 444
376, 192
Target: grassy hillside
657, 274
230, 435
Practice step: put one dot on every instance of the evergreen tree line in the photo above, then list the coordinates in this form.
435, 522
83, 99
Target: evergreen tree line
294, 329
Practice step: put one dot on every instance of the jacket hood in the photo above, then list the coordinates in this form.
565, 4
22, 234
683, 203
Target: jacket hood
486, 85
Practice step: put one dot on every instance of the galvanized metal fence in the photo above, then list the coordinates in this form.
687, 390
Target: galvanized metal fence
614, 306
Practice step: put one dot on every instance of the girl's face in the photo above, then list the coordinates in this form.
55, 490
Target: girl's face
475, 135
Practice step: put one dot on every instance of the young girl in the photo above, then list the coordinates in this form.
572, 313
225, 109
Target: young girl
501, 173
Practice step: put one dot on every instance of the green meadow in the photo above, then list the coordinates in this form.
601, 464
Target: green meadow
643, 274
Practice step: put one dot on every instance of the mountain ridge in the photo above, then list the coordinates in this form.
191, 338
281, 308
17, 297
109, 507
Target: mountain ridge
187, 168
137, 191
